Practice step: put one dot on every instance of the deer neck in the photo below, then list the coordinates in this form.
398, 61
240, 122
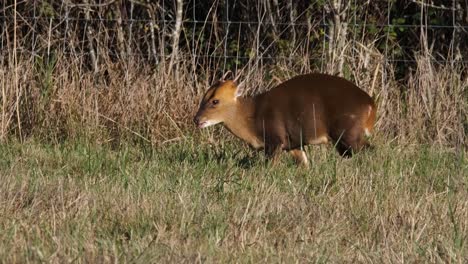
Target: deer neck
242, 122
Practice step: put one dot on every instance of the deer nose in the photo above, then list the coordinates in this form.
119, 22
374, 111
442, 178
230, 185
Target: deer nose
196, 120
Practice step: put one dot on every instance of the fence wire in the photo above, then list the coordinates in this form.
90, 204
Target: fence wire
80, 33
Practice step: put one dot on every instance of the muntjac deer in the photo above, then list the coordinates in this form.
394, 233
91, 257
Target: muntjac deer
307, 109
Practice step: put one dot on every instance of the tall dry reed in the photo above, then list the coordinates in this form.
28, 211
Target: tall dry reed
77, 80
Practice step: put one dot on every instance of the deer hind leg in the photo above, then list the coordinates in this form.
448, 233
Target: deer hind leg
352, 133
351, 141
300, 157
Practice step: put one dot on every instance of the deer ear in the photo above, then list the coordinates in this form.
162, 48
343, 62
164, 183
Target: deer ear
240, 89
240, 85
226, 75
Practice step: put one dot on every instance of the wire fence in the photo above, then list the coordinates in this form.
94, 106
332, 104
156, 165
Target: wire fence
220, 22
121, 35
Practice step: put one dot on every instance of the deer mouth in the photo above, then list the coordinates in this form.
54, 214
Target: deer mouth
203, 124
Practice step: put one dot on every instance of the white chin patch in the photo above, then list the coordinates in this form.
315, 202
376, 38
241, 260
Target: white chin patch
208, 123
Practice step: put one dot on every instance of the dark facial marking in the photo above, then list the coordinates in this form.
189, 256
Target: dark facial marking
211, 92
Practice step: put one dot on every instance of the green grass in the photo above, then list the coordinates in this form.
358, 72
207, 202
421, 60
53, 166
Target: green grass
191, 201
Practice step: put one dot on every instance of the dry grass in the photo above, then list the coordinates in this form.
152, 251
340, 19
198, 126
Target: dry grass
60, 100
188, 203
57, 84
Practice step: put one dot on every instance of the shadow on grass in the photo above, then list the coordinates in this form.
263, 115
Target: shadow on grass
246, 163
203, 155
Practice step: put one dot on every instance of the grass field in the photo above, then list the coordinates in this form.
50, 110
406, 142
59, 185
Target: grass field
191, 201
100, 161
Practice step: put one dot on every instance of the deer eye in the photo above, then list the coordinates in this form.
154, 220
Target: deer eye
215, 101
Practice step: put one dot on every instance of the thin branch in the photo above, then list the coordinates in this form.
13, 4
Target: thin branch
434, 6
176, 33
88, 5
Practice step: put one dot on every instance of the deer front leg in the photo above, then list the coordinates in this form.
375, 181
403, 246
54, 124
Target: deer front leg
272, 153
300, 157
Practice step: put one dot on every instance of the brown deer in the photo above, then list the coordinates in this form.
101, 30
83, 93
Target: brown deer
307, 109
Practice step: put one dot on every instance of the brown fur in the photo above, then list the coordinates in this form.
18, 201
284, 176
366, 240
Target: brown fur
307, 109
